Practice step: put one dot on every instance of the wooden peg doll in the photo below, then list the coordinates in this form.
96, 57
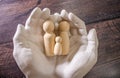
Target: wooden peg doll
64, 27
49, 37
58, 46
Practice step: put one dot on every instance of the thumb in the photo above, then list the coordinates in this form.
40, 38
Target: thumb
92, 42
19, 32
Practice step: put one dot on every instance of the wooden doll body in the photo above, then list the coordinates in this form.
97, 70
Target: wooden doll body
49, 38
64, 28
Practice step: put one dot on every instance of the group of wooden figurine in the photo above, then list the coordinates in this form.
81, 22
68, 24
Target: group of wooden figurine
56, 43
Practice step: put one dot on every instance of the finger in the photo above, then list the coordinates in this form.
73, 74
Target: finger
36, 19
19, 32
55, 18
78, 23
64, 15
35, 13
93, 51
83, 32
92, 41
34, 16
58, 17
88, 66
74, 31
45, 14
79, 60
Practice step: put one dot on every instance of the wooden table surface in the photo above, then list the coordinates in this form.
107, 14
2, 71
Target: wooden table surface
103, 15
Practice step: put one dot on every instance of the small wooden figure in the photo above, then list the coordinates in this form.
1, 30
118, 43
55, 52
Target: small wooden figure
58, 46
64, 27
49, 37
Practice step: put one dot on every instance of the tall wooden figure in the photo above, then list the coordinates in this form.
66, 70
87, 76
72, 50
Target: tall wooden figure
49, 37
64, 27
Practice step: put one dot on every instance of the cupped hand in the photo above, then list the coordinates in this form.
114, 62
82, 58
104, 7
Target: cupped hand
28, 47
83, 49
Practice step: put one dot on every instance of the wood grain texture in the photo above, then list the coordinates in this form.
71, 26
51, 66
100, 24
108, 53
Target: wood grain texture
108, 65
103, 15
17, 11
109, 40
88, 10
107, 70
8, 66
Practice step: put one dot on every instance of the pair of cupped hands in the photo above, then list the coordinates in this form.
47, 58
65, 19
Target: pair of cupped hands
29, 50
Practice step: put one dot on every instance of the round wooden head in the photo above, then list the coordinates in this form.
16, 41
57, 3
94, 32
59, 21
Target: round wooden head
58, 39
48, 26
64, 26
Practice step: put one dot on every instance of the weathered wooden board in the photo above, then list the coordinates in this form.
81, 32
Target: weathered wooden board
108, 58
13, 12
